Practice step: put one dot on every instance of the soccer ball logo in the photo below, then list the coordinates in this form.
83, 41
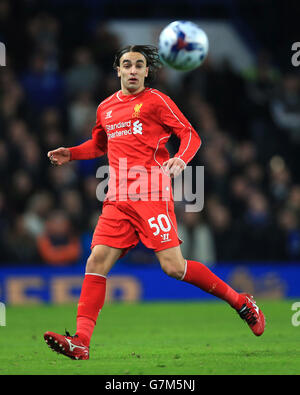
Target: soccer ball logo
182, 45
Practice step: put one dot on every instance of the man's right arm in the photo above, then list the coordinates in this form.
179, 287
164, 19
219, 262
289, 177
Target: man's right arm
90, 149
93, 148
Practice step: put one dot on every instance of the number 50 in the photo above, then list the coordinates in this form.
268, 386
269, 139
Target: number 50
163, 224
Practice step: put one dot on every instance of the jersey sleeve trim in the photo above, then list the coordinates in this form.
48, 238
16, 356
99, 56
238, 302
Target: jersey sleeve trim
152, 91
186, 126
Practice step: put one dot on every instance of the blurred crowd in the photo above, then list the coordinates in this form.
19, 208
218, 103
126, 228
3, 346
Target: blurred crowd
249, 124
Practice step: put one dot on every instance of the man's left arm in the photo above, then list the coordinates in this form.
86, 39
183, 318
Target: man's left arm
190, 141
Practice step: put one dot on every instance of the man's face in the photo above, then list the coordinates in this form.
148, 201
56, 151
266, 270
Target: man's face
132, 70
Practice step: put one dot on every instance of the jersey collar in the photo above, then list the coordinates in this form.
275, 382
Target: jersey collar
124, 98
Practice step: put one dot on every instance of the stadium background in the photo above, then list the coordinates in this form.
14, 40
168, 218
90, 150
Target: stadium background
244, 102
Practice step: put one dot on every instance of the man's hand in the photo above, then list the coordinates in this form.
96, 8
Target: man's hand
174, 167
59, 156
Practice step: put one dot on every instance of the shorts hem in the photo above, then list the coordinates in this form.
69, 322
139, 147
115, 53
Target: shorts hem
109, 244
112, 245
166, 247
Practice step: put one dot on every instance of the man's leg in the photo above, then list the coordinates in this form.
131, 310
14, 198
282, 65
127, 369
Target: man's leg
173, 264
90, 303
93, 289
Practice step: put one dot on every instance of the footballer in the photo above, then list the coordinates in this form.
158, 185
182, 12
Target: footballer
132, 127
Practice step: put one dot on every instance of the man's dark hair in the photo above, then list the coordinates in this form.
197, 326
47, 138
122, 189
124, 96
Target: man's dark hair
151, 55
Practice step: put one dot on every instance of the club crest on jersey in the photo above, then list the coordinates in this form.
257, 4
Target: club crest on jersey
137, 110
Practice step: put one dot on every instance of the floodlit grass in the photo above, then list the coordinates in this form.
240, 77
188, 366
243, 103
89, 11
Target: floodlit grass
203, 338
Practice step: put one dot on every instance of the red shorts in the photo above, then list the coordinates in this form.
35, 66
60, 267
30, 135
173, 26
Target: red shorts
124, 224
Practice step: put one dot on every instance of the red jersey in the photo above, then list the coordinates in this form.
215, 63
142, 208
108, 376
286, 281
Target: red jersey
133, 130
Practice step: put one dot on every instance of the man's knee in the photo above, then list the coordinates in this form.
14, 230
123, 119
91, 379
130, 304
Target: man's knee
173, 267
101, 260
95, 263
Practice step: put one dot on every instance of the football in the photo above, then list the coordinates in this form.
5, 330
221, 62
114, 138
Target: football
182, 45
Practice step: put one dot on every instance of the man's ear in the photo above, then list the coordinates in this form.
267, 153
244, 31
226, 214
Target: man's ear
147, 71
118, 70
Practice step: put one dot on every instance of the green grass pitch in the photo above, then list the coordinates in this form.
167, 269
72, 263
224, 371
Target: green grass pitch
198, 338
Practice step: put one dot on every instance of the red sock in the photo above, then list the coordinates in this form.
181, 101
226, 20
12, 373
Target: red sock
90, 304
200, 276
